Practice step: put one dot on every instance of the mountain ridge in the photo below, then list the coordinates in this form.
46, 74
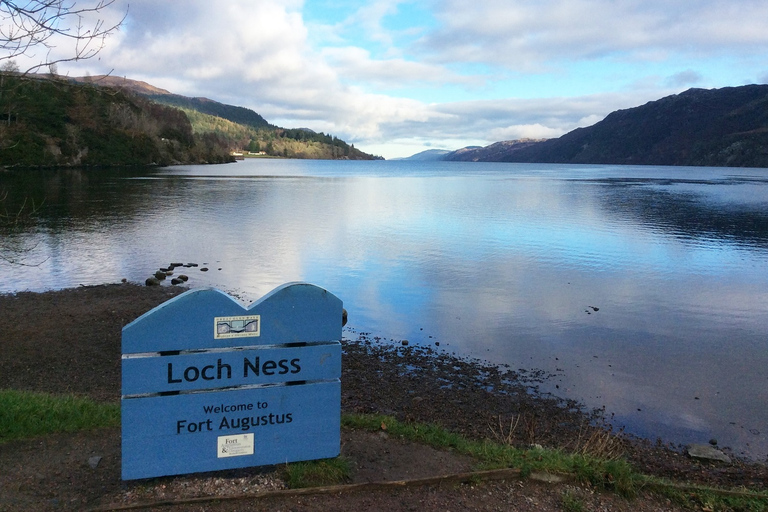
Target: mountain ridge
726, 127
248, 131
490, 153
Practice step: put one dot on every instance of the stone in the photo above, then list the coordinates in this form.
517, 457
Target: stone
707, 452
151, 281
94, 461
549, 478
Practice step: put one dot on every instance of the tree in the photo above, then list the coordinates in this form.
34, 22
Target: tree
27, 26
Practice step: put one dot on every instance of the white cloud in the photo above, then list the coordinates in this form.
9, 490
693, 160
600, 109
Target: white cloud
684, 78
369, 17
356, 64
530, 35
352, 79
524, 131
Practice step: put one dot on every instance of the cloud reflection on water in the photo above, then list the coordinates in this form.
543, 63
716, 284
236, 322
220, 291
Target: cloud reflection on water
496, 262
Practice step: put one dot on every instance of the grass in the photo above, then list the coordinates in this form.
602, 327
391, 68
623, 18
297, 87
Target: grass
25, 414
615, 475
710, 499
317, 473
571, 502
611, 473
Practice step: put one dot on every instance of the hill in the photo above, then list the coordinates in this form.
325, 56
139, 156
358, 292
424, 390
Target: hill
47, 121
240, 128
699, 127
239, 115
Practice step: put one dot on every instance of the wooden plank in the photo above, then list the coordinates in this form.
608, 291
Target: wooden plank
211, 370
170, 435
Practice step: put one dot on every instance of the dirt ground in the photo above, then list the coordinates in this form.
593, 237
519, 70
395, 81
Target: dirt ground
69, 342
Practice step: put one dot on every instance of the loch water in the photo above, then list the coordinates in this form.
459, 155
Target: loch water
643, 290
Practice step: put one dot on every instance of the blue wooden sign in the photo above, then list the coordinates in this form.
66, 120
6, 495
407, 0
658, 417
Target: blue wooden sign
210, 385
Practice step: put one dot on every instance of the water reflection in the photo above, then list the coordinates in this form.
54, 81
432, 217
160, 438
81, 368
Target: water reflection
731, 209
643, 292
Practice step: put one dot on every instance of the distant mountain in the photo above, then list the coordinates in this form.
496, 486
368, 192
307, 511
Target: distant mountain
493, 153
429, 155
699, 127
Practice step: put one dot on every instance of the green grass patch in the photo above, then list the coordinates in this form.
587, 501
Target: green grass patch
25, 414
615, 475
707, 498
571, 502
317, 473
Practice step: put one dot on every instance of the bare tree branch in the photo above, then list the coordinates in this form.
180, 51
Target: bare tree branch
27, 26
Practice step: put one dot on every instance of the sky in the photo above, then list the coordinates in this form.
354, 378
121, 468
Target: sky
396, 77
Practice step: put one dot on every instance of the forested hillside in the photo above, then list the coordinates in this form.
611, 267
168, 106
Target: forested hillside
273, 140
46, 121
239, 115
240, 128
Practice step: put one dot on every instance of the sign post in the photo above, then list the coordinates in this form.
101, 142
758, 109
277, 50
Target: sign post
210, 385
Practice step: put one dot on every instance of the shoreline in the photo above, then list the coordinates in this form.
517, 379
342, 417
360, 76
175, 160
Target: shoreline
81, 329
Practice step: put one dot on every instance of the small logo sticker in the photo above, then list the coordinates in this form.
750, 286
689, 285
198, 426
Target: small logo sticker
225, 327
235, 446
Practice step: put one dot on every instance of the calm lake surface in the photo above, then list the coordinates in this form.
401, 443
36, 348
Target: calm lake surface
643, 289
